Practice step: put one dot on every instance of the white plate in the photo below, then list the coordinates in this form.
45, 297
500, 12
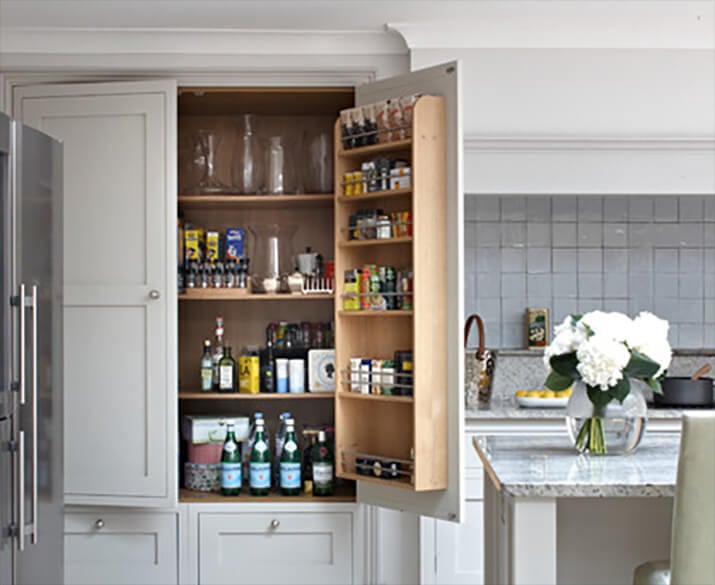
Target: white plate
528, 402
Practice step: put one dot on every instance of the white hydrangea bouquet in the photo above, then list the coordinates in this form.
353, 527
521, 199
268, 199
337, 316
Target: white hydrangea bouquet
604, 351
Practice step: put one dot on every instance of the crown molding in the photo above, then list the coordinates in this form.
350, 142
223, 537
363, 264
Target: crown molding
148, 41
638, 24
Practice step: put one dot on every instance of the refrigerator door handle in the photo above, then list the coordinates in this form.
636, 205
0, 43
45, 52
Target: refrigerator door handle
35, 507
21, 491
21, 372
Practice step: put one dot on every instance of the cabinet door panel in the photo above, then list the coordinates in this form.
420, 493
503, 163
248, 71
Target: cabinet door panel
446, 504
257, 548
126, 548
119, 242
460, 548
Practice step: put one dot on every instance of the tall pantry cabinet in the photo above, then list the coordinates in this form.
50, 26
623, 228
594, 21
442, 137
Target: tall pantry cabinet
130, 342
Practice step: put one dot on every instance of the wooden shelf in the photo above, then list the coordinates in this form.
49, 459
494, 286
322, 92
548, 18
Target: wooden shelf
375, 314
389, 194
342, 494
258, 201
376, 397
261, 396
375, 242
360, 151
234, 294
403, 483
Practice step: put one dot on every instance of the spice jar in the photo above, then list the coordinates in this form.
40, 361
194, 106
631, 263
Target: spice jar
384, 227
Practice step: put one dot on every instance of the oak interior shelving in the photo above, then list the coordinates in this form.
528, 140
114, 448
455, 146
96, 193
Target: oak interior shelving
342, 494
293, 113
408, 429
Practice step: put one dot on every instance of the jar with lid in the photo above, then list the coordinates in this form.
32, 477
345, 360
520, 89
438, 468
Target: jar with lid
384, 227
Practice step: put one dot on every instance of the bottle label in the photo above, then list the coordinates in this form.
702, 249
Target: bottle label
229, 447
225, 377
231, 475
290, 475
290, 447
206, 378
260, 475
322, 473
261, 447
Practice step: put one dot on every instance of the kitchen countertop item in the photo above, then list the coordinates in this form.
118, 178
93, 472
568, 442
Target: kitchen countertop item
684, 392
541, 466
528, 402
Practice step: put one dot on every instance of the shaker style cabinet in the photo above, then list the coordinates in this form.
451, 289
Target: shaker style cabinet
119, 285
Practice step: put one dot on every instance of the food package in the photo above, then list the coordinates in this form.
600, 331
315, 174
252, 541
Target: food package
234, 243
394, 120
381, 118
194, 239
213, 246
204, 452
212, 429
321, 370
407, 104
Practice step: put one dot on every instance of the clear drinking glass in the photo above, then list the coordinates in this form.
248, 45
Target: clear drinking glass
272, 256
247, 166
207, 144
275, 180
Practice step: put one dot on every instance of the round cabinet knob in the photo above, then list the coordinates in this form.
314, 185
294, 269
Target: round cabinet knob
99, 524
154, 294
275, 524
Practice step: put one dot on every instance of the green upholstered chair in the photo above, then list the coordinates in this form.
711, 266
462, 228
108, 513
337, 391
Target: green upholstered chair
692, 545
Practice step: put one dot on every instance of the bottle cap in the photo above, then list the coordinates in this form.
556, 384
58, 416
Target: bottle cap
229, 422
290, 421
321, 436
257, 415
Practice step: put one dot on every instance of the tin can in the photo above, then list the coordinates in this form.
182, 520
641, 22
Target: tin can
351, 287
365, 289
348, 185
249, 374
404, 371
405, 286
387, 370
357, 182
537, 328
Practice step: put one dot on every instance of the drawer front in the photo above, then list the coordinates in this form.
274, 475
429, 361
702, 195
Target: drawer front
310, 548
109, 547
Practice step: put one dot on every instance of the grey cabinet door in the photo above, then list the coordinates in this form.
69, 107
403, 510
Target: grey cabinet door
119, 285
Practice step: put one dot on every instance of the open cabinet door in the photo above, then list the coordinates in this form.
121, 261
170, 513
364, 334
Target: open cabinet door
119, 281
435, 150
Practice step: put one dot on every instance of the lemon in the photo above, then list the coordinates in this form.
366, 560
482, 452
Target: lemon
533, 394
547, 394
565, 393
520, 393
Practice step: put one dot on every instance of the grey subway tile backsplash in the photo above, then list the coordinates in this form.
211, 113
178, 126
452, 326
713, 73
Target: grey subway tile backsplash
580, 253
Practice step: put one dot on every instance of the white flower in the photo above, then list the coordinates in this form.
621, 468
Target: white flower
616, 325
601, 361
567, 338
650, 337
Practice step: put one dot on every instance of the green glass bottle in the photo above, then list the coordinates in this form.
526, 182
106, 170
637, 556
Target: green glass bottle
230, 464
322, 458
259, 465
207, 368
227, 372
290, 462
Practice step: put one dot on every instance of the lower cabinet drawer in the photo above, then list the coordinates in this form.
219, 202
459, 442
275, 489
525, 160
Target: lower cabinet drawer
261, 548
114, 547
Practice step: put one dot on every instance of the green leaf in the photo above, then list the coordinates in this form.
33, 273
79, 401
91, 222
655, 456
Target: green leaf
565, 364
620, 390
641, 366
557, 382
598, 397
655, 384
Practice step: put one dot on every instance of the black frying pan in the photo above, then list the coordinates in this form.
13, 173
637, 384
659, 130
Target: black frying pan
680, 392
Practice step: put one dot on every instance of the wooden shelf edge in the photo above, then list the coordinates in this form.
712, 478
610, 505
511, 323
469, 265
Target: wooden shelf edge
376, 314
376, 397
375, 242
397, 483
233, 199
375, 195
259, 396
376, 148
212, 294
342, 495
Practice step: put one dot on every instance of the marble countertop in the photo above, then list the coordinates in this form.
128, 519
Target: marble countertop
546, 466
505, 407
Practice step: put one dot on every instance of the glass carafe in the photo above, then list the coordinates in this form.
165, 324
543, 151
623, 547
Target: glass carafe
206, 145
247, 165
275, 180
321, 163
272, 257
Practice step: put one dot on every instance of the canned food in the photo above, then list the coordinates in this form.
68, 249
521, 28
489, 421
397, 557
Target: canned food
348, 185
384, 227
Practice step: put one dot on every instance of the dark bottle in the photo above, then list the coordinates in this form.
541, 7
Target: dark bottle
290, 462
230, 464
268, 370
322, 458
259, 465
227, 372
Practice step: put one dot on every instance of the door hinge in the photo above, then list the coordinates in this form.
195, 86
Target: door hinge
12, 446
15, 301
12, 531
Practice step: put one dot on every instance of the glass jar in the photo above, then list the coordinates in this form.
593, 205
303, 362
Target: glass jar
614, 429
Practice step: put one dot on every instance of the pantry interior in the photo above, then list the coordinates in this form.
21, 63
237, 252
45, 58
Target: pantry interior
407, 429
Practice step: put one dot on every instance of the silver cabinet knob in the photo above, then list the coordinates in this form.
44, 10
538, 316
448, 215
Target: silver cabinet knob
99, 524
275, 524
154, 294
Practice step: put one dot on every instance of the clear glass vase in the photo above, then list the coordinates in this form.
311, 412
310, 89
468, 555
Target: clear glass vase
614, 429
271, 257
206, 146
247, 164
275, 179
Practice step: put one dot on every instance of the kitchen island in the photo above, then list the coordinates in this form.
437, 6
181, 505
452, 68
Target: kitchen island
554, 516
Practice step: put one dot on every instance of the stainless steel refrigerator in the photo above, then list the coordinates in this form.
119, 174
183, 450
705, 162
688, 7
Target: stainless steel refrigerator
31, 490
